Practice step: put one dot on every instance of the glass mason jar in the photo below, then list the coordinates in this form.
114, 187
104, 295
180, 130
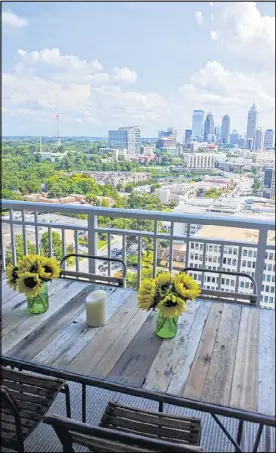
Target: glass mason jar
39, 304
166, 327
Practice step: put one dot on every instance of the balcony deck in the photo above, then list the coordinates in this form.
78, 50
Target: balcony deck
29, 219
238, 342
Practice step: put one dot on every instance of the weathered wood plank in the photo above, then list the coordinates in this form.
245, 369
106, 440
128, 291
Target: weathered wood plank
71, 341
31, 345
244, 391
18, 301
110, 358
86, 361
188, 351
18, 312
33, 322
219, 377
161, 371
197, 376
266, 396
138, 357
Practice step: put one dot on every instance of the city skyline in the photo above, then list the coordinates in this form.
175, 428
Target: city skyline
136, 75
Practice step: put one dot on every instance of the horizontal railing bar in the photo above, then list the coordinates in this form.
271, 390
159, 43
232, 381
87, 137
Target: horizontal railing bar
238, 222
253, 417
46, 224
117, 232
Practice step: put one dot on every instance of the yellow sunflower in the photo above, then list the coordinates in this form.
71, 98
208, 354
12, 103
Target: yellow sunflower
163, 278
30, 284
186, 286
49, 269
12, 276
29, 263
146, 294
171, 306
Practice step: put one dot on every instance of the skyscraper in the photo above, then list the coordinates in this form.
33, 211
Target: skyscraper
234, 137
269, 139
259, 139
252, 119
197, 126
125, 138
209, 126
225, 128
188, 135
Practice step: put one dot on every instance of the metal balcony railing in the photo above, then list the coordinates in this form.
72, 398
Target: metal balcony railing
162, 233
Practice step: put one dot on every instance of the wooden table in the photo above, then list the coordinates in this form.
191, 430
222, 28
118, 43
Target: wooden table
223, 354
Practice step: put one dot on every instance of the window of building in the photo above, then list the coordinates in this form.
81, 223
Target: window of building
249, 264
230, 250
269, 267
229, 261
263, 287
227, 281
247, 285
223, 281
272, 289
234, 262
271, 256
210, 248
232, 282
255, 253
267, 289
250, 253
271, 300
224, 260
244, 252
242, 284
235, 251
266, 298
268, 278
244, 263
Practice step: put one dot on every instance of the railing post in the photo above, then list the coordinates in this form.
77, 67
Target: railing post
260, 262
92, 242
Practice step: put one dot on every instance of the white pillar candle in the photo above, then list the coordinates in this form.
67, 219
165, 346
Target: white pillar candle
96, 308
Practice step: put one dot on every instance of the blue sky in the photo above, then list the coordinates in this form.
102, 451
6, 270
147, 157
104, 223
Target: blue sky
114, 64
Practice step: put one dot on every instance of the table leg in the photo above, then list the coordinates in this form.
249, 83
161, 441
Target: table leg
258, 437
238, 448
239, 435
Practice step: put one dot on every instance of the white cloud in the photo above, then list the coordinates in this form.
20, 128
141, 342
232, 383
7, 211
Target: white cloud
87, 95
199, 17
211, 4
245, 32
223, 91
124, 75
12, 21
214, 35
212, 16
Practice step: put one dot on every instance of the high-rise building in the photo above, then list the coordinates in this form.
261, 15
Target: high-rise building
269, 139
259, 139
197, 126
209, 126
125, 138
269, 183
234, 137
242, 142
188, 135
252, 120
225, 129
166, 139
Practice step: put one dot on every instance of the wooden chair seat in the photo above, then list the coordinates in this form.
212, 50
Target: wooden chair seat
25, 400
157, 425
105, 440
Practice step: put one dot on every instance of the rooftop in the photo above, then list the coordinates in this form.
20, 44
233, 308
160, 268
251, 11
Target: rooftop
239, 234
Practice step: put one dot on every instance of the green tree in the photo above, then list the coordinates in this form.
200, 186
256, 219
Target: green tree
19, 248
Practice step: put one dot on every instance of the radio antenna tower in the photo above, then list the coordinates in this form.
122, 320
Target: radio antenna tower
57, 118
40, 146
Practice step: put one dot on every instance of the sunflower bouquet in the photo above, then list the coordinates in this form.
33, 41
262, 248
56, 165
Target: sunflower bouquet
30, 277
168, 295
